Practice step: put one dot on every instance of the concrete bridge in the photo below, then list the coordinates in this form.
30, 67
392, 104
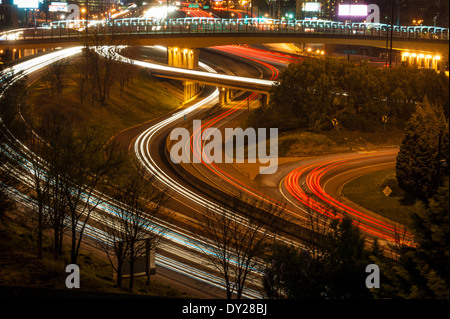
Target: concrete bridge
204, 32
429, 46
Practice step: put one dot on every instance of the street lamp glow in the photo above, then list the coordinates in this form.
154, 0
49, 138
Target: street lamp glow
437, 57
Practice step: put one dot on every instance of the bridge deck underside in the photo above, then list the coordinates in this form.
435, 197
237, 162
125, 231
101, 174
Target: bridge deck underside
200, 40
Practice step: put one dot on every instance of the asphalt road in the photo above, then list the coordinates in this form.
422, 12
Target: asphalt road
186, 210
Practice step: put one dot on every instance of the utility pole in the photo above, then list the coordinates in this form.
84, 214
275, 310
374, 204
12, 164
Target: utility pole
46, 10
386, 51
439, 160
392, 32
348, 46
279, 10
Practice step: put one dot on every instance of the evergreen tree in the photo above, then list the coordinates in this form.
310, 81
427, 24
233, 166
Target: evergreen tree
419, 168
337, 273
345, 261
421, 272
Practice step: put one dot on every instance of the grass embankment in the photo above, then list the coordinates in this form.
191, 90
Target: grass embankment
145, 98
367, 191
307, 143
20, 267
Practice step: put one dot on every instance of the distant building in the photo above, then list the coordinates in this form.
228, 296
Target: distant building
309, 9
94, 8
425, 12
9, 18
331, 7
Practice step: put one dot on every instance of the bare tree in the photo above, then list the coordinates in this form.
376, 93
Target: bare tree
101, 66
41, 190
81, 76
402, 240
13, 89
53, 127
7, 180
236, 236
101, 51
87, 159
11, 95
55, 76
126, 70
133, 228
319, 224
78, 162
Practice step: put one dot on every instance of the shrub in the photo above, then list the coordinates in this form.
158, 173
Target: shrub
357, 122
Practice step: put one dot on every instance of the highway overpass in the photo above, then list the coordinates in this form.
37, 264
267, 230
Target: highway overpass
205, 32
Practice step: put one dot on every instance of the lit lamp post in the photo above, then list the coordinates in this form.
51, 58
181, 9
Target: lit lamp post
46, 10
83, 12
392, 33
167, 14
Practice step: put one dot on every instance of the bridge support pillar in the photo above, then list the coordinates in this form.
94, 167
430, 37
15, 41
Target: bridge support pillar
182, 57
423, 60
224, 95
191, 89
264, 99
188, 59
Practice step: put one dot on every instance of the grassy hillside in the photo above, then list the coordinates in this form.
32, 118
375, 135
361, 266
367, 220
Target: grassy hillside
143, 99
20, 267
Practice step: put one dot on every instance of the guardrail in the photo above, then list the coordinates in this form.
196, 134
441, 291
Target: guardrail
145, 26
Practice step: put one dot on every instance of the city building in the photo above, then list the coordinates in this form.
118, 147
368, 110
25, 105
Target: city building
94, 8
9, 18
323, 9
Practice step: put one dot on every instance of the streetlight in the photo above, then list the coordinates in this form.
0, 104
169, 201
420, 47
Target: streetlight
392, 32
435, 18
46, 10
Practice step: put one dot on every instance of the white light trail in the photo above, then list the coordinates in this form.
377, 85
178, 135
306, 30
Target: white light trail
25, 68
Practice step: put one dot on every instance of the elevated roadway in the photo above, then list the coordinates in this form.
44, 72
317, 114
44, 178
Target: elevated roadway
208, 78
205, 32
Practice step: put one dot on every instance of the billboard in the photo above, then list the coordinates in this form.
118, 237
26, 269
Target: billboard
27, 4
312, 6
353, 10
58, 7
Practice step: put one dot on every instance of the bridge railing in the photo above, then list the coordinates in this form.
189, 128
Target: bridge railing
138, 26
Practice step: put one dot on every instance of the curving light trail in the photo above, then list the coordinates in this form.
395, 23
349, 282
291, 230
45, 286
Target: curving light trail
259, 54
174, 236
370, 225
329, 206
